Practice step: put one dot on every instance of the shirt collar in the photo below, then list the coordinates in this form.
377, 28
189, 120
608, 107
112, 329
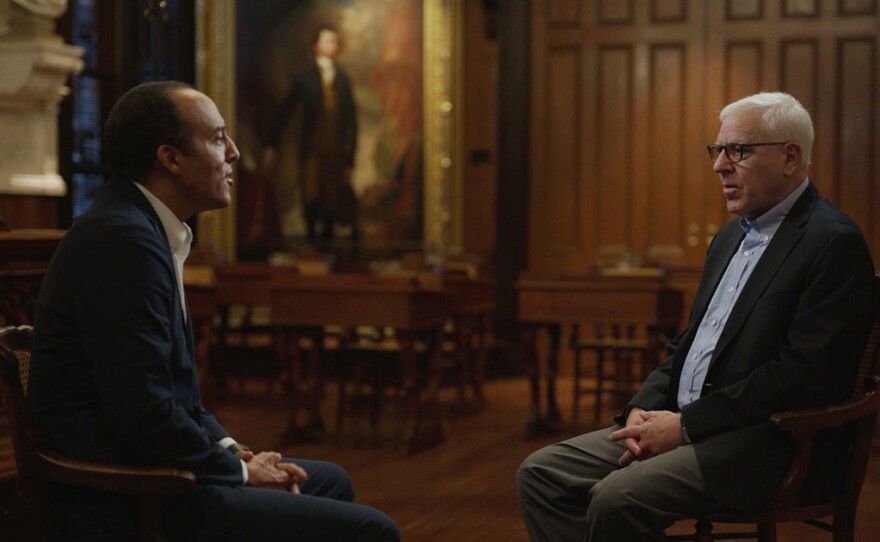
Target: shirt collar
325, 65
769, 222
178, 233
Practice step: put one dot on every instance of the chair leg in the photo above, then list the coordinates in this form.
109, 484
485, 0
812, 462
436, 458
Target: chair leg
577, 387
703, 531
150, 519
600, 381
844, 526
766, 532
340, 401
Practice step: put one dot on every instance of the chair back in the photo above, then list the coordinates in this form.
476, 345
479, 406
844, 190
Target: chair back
15, 363
866, 387
151, 487
869, 368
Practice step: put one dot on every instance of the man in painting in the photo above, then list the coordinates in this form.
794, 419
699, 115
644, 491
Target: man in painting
322, 97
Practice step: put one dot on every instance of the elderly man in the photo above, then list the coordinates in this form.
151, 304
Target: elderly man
778, 322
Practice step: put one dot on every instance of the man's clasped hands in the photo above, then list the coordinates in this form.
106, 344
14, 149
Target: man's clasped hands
648, 433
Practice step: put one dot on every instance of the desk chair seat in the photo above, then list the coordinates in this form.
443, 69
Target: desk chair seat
369, 377
622, 345
38, 466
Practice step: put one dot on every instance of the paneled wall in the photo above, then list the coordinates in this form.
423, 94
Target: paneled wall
626, 93
480, 129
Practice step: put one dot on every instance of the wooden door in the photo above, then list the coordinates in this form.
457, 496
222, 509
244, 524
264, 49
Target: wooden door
823, 52
626, 93
615, 142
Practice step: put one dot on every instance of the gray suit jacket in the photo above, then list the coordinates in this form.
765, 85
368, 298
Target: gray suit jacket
793, 341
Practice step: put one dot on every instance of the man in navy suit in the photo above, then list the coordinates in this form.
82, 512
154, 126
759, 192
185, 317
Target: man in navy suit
779, 322
113, 377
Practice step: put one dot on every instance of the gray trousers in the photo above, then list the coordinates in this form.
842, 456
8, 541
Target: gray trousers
576, 491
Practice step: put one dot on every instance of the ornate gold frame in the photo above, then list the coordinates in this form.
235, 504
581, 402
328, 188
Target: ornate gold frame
215, 75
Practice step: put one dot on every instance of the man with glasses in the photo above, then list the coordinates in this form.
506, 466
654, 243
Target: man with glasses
779, 322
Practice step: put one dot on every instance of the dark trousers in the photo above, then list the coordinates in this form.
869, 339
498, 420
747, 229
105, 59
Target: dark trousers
324, 511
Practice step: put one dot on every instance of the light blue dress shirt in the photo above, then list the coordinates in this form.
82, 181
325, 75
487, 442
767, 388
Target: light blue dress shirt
758, 232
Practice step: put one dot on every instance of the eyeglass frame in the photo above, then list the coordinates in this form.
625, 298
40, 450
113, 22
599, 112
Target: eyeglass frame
743, 147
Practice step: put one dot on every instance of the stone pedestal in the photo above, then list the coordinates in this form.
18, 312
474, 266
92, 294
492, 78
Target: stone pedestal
34, 64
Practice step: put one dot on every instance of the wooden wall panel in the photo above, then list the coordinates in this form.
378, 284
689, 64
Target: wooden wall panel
743, 70
563, 11
799, 64
480, 146
800, 77
800, 8
654, 76
640, 72
561, 141
615, 12
824, 53
667, 11
666, 152
614, 180
855, 131
744, 9
28, 212
858, 7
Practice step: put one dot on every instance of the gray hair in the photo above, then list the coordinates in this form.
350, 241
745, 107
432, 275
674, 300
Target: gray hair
784, 118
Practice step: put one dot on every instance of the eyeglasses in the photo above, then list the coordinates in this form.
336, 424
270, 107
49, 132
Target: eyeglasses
735, 151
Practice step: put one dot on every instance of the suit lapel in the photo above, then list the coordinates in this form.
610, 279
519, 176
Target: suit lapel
129, 191
727, 243
785, 239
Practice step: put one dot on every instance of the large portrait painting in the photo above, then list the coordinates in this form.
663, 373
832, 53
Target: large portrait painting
329, 124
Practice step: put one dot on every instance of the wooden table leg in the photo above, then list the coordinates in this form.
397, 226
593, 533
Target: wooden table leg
422, 427
537, 424
481, 360
463, 355
472, 363
304, 393
314, 385
553, 419
528, 337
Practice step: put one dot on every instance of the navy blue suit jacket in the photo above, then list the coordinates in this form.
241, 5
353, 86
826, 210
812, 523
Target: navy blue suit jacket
113, 376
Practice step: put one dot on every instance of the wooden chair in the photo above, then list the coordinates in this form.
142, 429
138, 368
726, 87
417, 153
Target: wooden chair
861, 411
617, 342
635, 350
242, 292
37, 466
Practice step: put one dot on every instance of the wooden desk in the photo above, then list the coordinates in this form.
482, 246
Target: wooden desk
473, 303
312, 302
555, 302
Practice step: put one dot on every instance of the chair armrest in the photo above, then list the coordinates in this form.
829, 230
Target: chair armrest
802, 425
54, 467
813, 420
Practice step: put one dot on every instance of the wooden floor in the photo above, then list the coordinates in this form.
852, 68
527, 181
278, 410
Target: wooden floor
463, 490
